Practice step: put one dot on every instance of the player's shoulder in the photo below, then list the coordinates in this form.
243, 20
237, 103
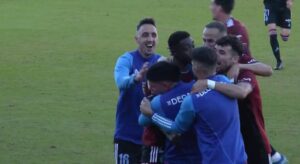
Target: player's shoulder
235, 23
125, 59
155, 102
247, 59
188, 84
127, 54
221, 78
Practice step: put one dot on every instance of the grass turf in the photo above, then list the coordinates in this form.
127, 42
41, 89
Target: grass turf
57, 93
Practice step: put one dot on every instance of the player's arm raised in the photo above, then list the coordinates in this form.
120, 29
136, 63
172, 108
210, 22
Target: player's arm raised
123, 78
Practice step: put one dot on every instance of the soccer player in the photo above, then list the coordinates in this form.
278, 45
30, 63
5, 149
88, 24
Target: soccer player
213, 115
180, 47
214, 31
164, 81
129, 74
221, 10
278, 13
257, 145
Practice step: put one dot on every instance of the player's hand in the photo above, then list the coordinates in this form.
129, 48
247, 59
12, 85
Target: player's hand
145, 107
146, 89
289, 4
141, 74
199, 86
233, 72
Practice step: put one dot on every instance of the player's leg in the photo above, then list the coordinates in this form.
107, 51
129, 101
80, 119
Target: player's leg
153, 140
126, 152
254, 146
271, 20
285, 34
151, 155
285, 24
275, 45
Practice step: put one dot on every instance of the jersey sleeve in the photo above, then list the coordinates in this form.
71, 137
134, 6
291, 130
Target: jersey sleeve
247, 59
122, 75
183, 120
247, 77
144, 120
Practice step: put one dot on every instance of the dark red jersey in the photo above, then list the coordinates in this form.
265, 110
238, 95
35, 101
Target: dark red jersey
251, 115
187, 75
247, 59
153, 136
238, 29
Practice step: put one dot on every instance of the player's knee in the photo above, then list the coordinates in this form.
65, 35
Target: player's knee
272, 32
285, 35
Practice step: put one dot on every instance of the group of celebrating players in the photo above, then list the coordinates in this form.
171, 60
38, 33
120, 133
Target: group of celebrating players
200, 105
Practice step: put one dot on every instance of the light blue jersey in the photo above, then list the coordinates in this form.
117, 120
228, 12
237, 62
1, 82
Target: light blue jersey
215, 118
185, 150
131, 95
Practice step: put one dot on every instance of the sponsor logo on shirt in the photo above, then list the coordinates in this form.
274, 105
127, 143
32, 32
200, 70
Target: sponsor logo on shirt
203, 93
177, 100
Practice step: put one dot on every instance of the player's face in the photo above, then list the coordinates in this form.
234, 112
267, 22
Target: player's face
225, 58
158, 87
215, 9
147, 39
210, 36
184, 51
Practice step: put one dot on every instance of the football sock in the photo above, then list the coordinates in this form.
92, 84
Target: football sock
275, 45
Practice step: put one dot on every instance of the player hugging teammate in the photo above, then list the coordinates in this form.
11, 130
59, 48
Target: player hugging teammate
200, 105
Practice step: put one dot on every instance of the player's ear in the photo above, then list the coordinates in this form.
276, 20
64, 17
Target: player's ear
167, 85
136, 38
235, 58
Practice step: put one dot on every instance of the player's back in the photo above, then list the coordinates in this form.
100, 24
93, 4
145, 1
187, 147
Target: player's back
238, 29
185, 148
218, 128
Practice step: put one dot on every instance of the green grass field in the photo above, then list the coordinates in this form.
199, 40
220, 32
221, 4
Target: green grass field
57, 93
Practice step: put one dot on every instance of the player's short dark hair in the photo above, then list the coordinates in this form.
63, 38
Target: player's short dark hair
227, 5
176, 37
144, 21
232, 41
217, 25
205, 55
163, 71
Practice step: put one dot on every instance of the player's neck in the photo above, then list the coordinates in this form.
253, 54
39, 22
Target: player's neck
180, 64
205, 75
144, 55
224, 18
